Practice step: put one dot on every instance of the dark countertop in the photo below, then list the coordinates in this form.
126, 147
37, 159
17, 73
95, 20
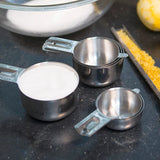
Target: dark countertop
24, 138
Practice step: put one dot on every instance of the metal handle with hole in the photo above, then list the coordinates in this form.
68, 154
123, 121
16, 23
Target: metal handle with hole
9, 73
91, 124
59, 44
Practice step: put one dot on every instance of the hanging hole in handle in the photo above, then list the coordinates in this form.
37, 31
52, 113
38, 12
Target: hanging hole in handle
89, 125
92, 123
3, 70
59, 44
9, 73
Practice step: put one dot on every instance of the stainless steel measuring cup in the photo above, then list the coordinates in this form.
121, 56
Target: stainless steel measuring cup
45, 110
98, 60
119, 108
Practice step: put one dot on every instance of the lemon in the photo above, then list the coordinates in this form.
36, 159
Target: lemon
149, 13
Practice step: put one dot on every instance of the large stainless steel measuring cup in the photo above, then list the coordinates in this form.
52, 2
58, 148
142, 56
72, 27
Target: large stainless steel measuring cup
118, 108
98, 60
45, 110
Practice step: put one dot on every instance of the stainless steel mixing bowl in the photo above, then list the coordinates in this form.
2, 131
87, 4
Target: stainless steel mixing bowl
50, 17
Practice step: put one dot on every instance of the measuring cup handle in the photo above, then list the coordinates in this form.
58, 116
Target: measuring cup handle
59, 44
91, 124
122, 55
9, 73
136, 90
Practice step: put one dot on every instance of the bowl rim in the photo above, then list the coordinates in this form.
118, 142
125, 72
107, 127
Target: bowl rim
19, 7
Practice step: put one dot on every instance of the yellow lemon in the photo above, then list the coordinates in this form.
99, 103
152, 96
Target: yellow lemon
149, 13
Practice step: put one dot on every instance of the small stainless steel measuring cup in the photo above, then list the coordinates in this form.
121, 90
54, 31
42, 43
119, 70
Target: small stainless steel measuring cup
45, 110
118, 108
97, 60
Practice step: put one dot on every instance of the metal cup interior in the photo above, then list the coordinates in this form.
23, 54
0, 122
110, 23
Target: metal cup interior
119, 103
96, 51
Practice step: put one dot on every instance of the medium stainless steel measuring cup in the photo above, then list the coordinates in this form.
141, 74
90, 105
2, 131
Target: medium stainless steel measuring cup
45, 110
118, 108
97, 60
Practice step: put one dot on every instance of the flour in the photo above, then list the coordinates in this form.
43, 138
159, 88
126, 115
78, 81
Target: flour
50, 21
49, 81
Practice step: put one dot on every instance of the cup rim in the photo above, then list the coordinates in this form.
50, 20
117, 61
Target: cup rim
117, 88
116, 60
46, 62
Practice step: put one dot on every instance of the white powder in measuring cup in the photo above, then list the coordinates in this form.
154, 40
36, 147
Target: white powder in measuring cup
48, 81
50, 21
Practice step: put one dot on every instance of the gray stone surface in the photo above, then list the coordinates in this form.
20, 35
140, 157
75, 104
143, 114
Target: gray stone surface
24, 138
